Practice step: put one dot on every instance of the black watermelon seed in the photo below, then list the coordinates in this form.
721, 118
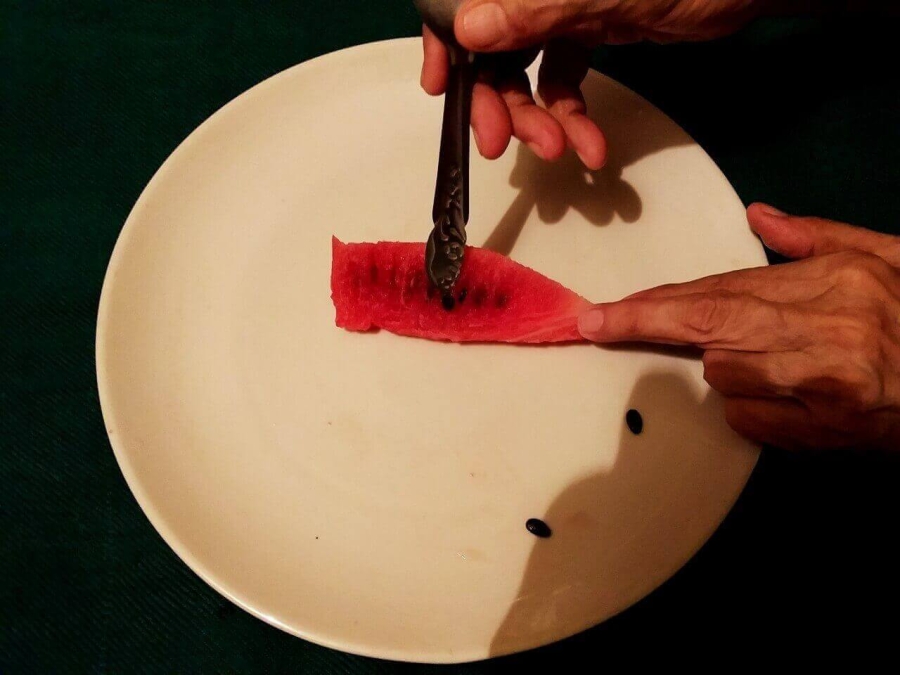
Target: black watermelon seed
462, 295
634, 421
448, 302
538, 528
500, 301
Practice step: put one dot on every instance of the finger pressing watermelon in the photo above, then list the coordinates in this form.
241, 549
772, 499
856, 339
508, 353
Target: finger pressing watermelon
495, 299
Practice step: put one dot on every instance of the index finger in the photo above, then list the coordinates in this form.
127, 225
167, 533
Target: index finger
707, 320
563, 68
435, 63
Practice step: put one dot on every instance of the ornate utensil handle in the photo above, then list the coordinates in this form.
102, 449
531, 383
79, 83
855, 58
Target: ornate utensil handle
450, 213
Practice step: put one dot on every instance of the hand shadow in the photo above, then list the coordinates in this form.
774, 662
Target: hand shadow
575, 574
757, 100
634, 130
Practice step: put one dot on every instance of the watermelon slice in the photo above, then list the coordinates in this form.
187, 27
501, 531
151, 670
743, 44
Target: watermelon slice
384, 285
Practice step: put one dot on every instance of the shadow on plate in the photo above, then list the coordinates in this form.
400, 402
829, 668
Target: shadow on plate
570, 576
634, 130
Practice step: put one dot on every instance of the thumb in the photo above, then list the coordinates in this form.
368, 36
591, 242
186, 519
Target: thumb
507, 25
804, 237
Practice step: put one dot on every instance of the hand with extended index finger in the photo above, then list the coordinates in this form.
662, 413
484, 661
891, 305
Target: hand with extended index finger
807, 354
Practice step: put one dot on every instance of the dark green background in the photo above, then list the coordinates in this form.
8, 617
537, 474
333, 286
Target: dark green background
803, 113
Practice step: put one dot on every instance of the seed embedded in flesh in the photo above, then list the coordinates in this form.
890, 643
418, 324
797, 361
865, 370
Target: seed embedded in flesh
462, 295
538, 528
634, 421
448, 302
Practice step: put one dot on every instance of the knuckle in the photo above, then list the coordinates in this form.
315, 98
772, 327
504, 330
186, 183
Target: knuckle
892, 251
707, 315
525, 15
519, 15
860, 335
781, 379
795, 373
861, 387
627, 321
862, 271
565, 107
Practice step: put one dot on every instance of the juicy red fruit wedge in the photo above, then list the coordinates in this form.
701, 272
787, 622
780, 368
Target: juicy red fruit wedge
495, 299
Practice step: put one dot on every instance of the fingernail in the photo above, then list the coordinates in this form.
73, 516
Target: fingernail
484, 25
772, 211
591, 322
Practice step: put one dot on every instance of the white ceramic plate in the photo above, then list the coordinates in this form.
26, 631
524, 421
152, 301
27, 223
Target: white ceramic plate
370, 492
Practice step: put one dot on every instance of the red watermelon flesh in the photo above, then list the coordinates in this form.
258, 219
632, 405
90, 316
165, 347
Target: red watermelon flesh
496, 299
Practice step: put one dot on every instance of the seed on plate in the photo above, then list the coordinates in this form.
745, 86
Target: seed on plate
538, 528
634, 421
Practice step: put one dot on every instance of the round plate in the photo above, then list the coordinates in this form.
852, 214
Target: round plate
369, 492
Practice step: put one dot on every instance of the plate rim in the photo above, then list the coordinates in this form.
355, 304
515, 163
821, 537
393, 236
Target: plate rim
146, 503
106, 405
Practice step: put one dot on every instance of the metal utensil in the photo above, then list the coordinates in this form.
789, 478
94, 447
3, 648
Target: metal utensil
445, 247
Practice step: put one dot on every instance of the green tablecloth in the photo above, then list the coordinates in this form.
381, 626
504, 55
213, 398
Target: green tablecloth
801, 113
